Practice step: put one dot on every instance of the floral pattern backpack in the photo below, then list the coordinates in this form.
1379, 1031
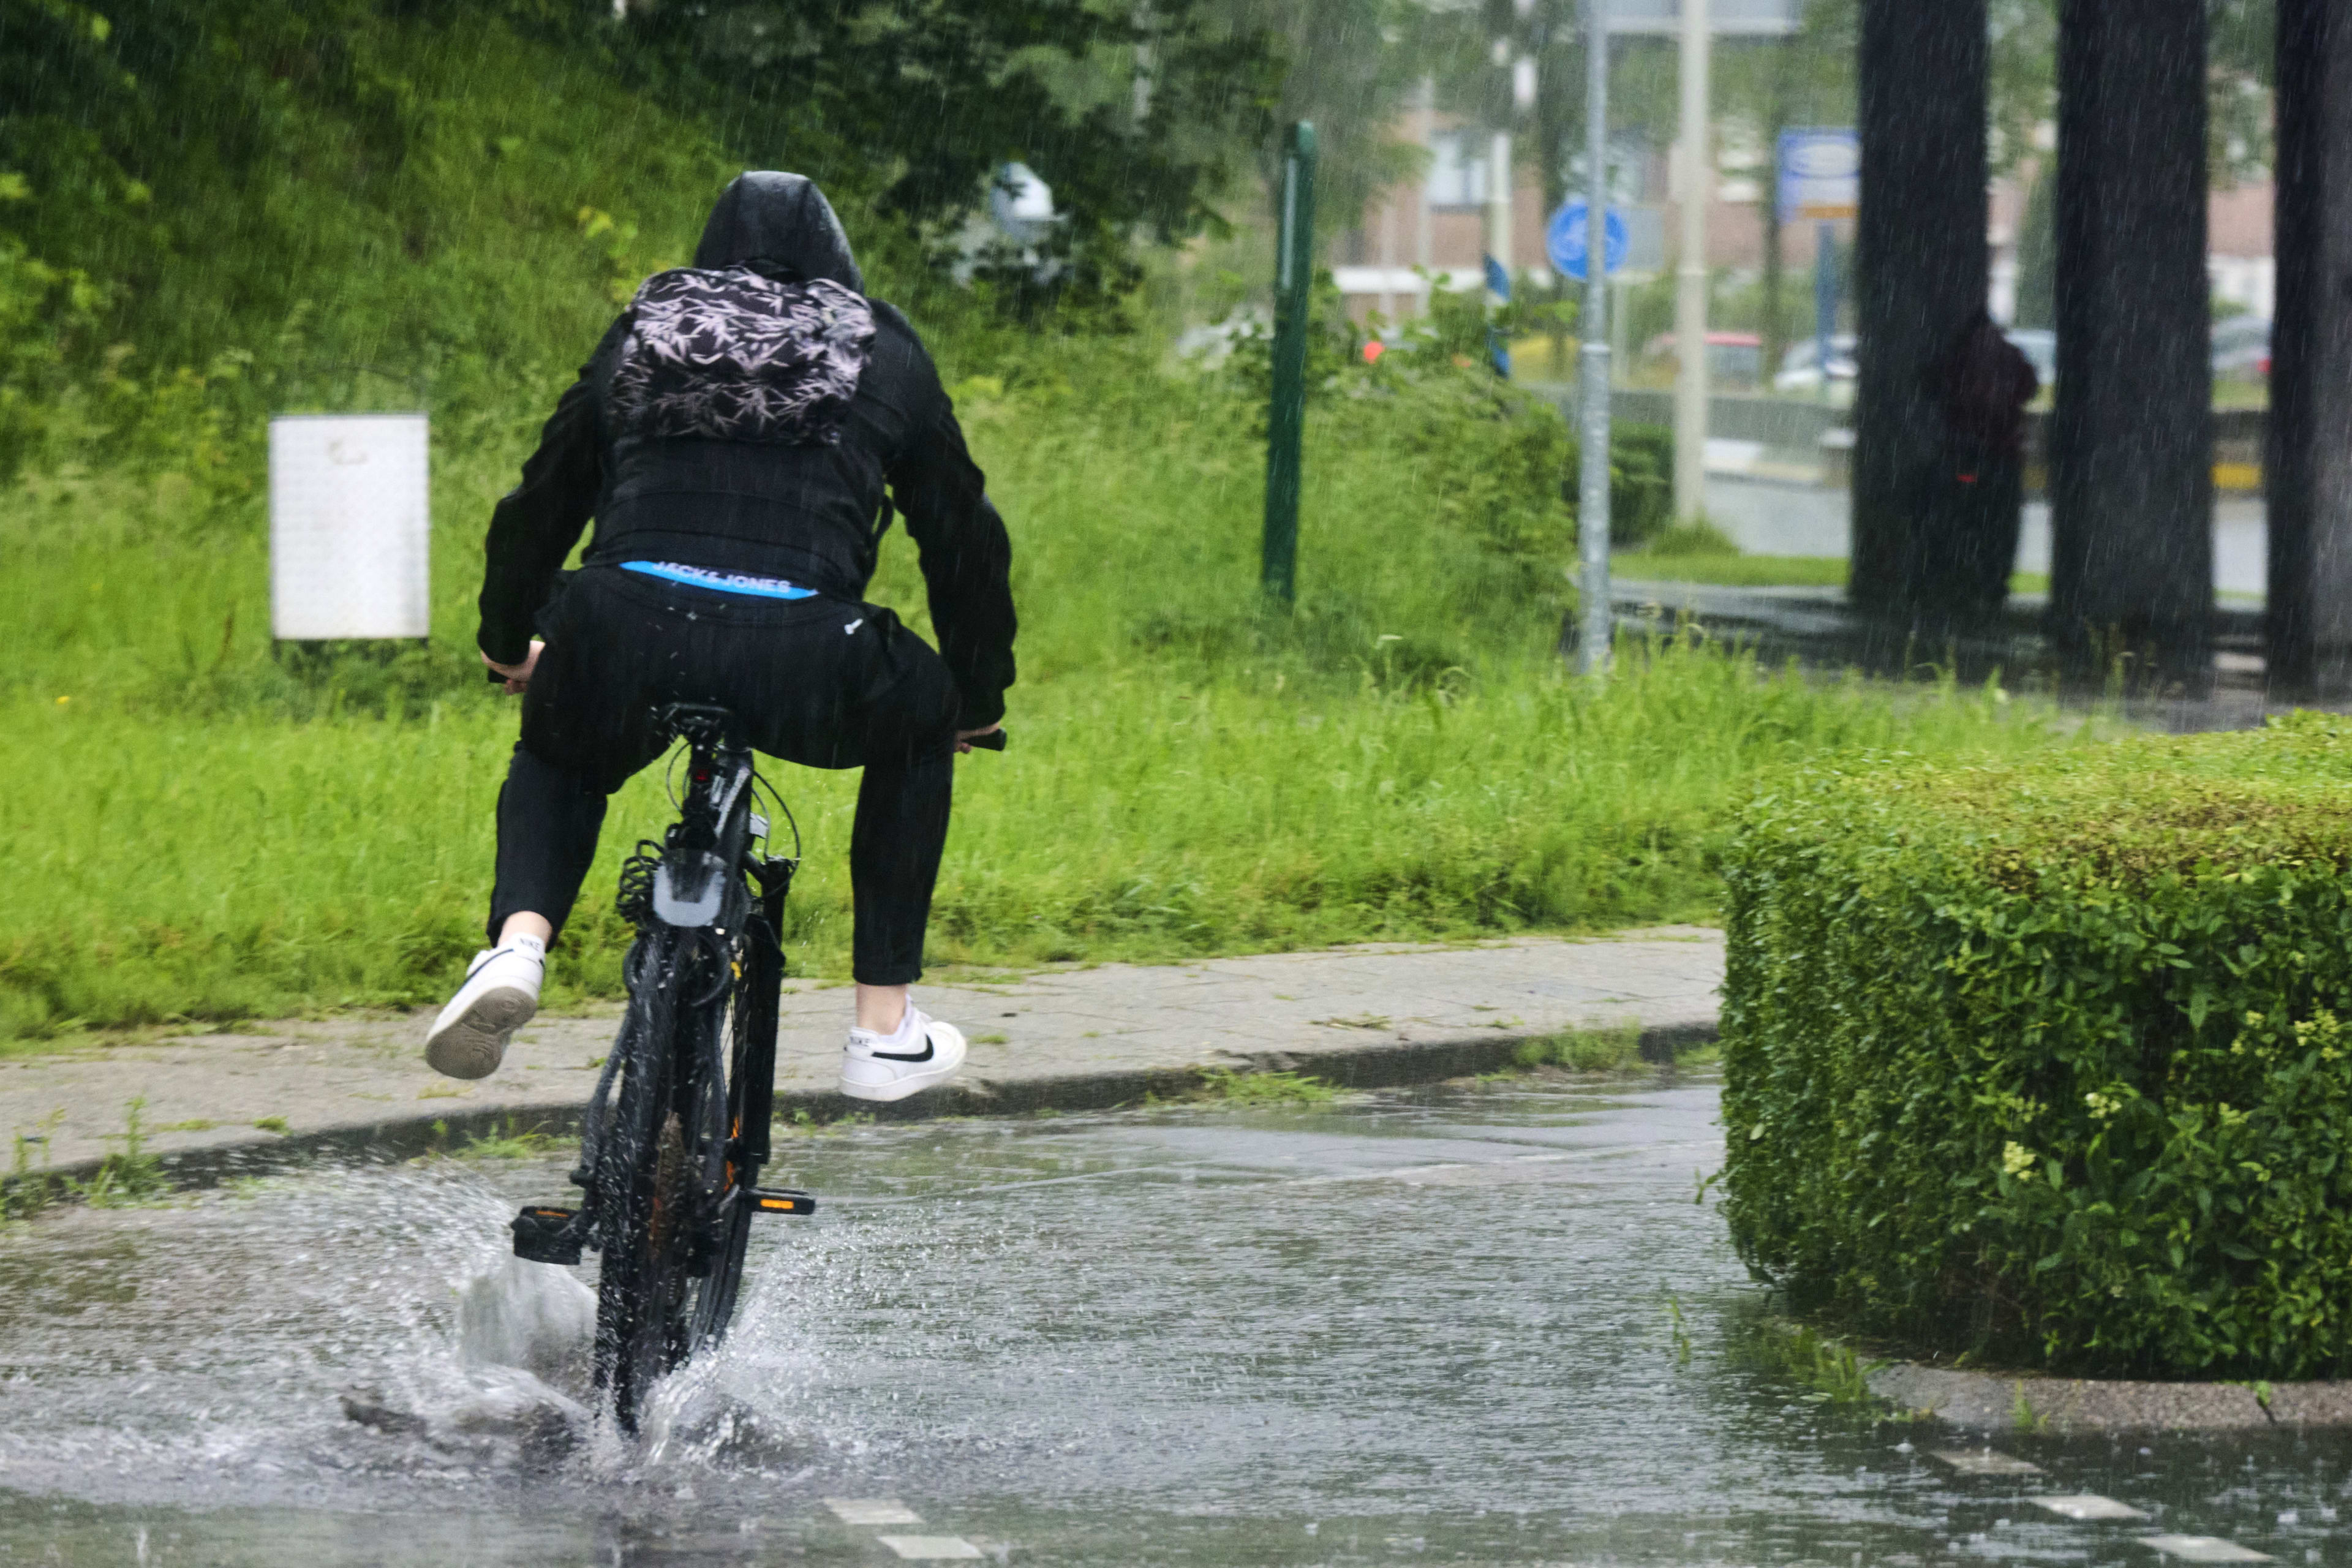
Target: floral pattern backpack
728, 354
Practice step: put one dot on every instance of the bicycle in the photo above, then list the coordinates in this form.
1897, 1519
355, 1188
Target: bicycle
669, 1165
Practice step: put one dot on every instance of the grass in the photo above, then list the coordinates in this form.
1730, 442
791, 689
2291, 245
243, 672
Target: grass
1829, 1369
1585, 1050
1732, 570
1224, 1087
278, 865
512, 1140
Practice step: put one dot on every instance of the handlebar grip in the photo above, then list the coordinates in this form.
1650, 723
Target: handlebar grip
991, 741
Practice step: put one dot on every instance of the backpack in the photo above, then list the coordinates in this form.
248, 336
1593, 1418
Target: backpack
728, 354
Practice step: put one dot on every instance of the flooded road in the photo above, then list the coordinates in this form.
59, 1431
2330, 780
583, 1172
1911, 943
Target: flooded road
1419, 1327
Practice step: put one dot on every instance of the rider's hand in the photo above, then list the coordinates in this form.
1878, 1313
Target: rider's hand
518, 675
963, 737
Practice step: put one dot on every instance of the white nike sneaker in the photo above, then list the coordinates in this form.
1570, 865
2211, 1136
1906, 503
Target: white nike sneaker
500, 994
922, 1054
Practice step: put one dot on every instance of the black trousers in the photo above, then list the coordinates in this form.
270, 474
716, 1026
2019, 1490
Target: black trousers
824, 682
1969, 527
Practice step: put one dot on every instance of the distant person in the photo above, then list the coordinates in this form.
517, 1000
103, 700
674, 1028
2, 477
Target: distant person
733, 436
1982, 385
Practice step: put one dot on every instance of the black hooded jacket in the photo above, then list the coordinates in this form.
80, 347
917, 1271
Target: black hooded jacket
813, 514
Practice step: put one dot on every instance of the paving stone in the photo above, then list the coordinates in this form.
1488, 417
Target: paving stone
1986, 1462
872, 1510
930, 1546
2204, 1549
2088, 1505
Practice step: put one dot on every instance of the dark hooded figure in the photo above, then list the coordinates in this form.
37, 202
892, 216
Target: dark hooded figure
1981, 385
742, 438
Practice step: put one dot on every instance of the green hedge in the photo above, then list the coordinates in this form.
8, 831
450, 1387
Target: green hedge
2047, 1061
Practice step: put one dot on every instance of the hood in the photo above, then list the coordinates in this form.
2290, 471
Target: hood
781, 219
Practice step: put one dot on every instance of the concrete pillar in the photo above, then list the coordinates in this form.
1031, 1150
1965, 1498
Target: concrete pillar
2131, 451
2308, 469
1919, 269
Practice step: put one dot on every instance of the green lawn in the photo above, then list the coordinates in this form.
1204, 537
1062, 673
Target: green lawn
201, 830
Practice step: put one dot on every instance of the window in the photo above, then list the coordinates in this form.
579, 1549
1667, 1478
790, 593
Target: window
1457, 169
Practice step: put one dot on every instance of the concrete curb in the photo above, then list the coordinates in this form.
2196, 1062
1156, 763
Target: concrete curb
1386, 1064
1988, 1401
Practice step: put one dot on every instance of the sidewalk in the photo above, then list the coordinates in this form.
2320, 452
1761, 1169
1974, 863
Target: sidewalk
1072, 1039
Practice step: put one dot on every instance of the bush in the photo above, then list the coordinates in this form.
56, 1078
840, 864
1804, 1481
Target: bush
2048, 1060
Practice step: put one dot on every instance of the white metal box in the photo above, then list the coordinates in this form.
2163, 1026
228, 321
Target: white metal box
349, 527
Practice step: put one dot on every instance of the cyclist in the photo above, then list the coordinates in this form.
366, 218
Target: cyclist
733, 436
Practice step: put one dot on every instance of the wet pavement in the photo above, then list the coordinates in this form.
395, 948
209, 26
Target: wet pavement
1766, 517
1067, 1038
1434, 1325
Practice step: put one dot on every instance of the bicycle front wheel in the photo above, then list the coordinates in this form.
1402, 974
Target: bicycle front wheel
745, 1021
645, 1205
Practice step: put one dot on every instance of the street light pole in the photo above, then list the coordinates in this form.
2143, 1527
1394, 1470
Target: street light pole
1592, 642
1690, 273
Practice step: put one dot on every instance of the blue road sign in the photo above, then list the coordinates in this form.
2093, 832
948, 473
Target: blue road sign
1819, 173
1564, 240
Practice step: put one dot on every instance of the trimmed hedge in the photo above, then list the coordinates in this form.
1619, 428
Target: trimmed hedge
2051, 1061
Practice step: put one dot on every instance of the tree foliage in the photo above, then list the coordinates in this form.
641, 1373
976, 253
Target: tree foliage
1137, 116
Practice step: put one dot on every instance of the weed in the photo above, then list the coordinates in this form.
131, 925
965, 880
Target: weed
2021, 1418
193, 1124
1678, 1330
277, 1124
1829, 1368
129, 1174
997, 1038
1585, 1050
1229, 1087
510, 1141
28, 1191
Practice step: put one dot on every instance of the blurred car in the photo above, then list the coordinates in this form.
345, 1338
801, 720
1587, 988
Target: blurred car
1800, 373
2039, 345
1800, 369
2242, 348
1733, 359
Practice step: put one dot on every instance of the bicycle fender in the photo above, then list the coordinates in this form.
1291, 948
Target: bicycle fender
690, 887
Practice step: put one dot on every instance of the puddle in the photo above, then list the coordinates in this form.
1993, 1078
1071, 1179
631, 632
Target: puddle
1415, 1326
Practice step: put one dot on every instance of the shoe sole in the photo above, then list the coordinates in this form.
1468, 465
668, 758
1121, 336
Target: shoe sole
907, 1087
473, 1043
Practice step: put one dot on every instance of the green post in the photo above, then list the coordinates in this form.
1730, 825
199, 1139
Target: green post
1294, 282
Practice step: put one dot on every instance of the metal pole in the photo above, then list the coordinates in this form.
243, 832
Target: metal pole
1422, 255
1691, 273
1294, 282
1593, 637
1824, 300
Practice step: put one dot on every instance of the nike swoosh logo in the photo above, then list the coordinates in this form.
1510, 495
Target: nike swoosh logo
924, 1056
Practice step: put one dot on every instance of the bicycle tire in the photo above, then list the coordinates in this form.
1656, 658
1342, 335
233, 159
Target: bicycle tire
668, 1285
645, 1249
749, 1023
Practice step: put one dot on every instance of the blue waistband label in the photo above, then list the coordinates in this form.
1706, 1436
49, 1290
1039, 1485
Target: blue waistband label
720, 581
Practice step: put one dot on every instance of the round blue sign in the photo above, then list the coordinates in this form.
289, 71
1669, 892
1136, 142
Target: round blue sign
1564, 239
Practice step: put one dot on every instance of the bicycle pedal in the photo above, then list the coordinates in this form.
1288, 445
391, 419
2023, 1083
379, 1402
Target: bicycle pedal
781, 1200
544, 1235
